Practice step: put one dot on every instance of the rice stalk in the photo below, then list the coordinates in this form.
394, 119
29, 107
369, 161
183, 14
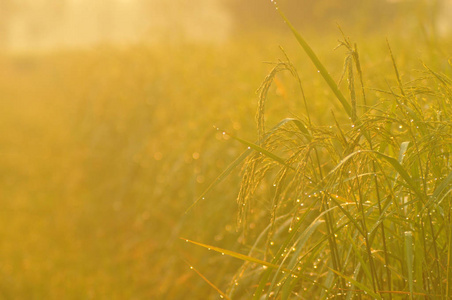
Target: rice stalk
331, 208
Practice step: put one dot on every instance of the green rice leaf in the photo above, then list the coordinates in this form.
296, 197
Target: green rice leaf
221, 177
441, 187
243, 156
401, 171
263, 151
349, 216
302, 128
403, 148
224, 296
439, 194
236, 255
409, 259
322, 70
302, 239
359, 285
357, 251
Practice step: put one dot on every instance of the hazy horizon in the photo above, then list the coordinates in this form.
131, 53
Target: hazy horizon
42, 25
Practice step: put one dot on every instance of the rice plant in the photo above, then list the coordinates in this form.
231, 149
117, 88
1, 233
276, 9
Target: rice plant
357, 208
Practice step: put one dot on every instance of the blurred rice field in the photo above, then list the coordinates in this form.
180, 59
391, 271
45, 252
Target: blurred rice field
102, 152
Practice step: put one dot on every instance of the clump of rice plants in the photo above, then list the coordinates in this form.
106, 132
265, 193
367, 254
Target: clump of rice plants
356, 208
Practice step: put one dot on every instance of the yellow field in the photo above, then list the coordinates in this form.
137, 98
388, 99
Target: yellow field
103, 151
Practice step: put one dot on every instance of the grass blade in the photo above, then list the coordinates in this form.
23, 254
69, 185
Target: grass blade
223, 295
220, 177
301, 241
263, 151
236, 255
441, 187
366, 289
302, 128
401, 171
409, 259
320, 67
242, 157
403, 148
